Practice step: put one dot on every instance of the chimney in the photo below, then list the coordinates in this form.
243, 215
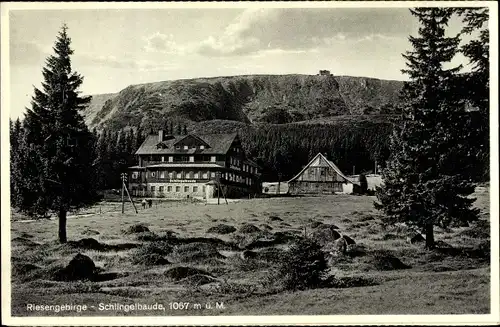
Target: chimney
161, 135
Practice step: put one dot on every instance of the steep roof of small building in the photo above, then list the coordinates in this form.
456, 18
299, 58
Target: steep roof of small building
218, 144
329, 163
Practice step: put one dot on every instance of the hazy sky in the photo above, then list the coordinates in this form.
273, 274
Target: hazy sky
115, 48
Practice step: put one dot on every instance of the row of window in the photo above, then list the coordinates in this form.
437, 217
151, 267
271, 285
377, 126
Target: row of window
186, 147
187, 189
189, 158
195, 175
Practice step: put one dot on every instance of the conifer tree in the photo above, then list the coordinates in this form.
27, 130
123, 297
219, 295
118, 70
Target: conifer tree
56, 161
424, 183
171, 127
476, 84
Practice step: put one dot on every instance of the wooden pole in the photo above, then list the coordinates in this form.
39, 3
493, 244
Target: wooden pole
130, 198
123, 193
224, 193
218, 193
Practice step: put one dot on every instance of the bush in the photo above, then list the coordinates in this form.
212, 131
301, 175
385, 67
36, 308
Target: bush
303, 265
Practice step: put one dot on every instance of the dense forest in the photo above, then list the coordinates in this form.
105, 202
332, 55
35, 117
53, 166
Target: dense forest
281, 150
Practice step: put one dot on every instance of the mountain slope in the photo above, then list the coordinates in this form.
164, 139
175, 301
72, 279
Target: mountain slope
246, 99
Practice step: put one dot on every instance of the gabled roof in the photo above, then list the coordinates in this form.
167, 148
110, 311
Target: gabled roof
192, 136
218, 144
330, 164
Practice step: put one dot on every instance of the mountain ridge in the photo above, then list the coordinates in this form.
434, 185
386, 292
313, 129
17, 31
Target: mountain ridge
249, 99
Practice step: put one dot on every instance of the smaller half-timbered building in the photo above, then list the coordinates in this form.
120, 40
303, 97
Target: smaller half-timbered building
320, 176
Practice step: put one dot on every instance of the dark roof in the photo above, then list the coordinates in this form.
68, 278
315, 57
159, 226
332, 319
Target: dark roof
218, 144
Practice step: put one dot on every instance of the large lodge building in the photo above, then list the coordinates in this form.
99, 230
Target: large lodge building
192, 166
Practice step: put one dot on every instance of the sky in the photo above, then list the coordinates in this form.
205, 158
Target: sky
114, 48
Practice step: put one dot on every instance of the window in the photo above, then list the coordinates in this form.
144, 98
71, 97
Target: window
152, 189
179, 175
135, 175
203, 188
186, 147
162, 174
197, 175
177, 147
170, 159
177, 188
170, 175
169, 188
202, 147
212, 174
161, 189
205, 175
186, 189
162, 158
190, 175
322, 172
212, 159
191, 158
153, 174
195, 188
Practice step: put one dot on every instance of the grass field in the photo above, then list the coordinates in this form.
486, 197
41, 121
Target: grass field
141, 267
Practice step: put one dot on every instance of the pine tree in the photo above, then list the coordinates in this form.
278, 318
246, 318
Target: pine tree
179, 129
56, 172
424, 182
171, 128
476, 84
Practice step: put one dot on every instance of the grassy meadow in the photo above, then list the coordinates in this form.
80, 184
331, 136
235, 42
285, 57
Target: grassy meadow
176, 258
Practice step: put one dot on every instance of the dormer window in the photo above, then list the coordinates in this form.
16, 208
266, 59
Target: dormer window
202, 147
186, 147
177, 147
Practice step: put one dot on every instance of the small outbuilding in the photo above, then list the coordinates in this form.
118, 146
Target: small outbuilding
321, 176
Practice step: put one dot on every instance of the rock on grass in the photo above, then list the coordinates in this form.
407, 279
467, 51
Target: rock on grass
80, 267
221, 229
137, 228
275, 218
151, 259
196, 252
181, 272
22, 269
23, 241
248, 229
199, 279
381, 260
325, 234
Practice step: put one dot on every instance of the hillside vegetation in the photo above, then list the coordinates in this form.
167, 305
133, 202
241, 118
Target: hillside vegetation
254, 98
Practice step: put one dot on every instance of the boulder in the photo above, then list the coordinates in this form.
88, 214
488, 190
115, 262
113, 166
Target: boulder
414, 238
349, 240
221, 229
80, 267
325, 234
249, 228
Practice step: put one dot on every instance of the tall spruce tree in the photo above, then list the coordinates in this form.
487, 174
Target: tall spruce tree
424, 182
56, 171
476, 84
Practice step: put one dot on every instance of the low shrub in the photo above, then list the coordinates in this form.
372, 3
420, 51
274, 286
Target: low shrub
181, 272
303, 265
221, 229
137, 228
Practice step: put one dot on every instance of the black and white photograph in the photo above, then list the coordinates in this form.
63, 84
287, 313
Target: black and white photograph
249, 162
